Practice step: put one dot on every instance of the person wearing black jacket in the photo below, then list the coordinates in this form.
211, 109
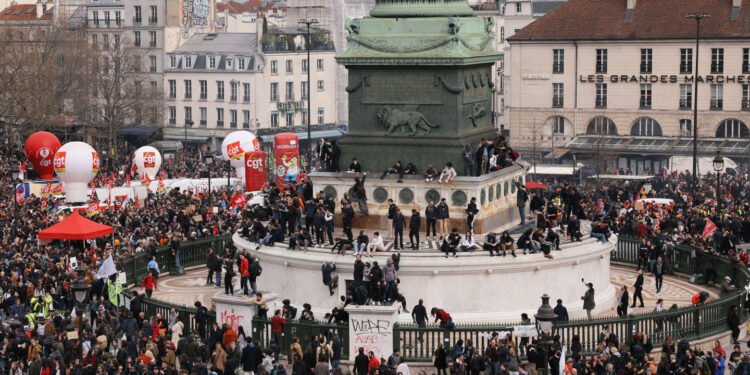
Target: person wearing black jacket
490, 244
249, 358
399, 221
361, 362
228, 275
329, 280
355, 167
443, 217
347, 217
431, 214
359, 269
733, 321
450, 243
397, 168
414, 223
361, 194
637, 293
391, 212
471, 211
419, 315
210, 264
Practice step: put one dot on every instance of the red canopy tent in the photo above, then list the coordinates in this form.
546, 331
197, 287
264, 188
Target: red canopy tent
533, 185
75, 227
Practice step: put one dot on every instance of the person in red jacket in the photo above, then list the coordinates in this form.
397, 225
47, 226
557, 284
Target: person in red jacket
277, 326
244, 274
374, 364
149, 283
443, 317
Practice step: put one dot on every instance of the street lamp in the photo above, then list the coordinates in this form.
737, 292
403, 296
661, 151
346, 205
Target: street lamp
545, 324
308, 22
697, 17
718, 167
80, 289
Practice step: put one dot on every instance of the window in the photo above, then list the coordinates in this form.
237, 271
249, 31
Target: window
645, 101
557, 95
319, 65
233, 118
601, 125
172, 61
289, 91
94, 39
137, 38
188, 89
289, 67
154, 87
219, 90
646, 60
105, 41
303, 89
304, 117
274, 119
138, 18
117, 41
321, 115
95, 18
646, 127
502, 34
686, 96
204, 89
204, 116
321, 85
717, 96
246, 119
558, 61
601, 95
241, 63
717, 60
274, 67
188, 115
746, 97
106, 19
601, 60
118, 18
172, 115
153, 18
686, 60
746, 61
188, 61
558, 125
152, 38
304, 66
274, 91
212, 62
246, 92
220, 117
172, 89
518, 7
233, 91
686, 127
152, 64
732, 128
229, 63
290, 118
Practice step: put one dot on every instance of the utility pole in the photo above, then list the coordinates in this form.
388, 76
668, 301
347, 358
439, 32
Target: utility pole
697, 17
308, 22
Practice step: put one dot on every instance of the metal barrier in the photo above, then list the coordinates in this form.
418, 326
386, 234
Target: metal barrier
303, 330
694, 322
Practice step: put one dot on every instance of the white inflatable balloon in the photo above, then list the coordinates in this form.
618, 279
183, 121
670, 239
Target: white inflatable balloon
234, 147
76, 163
147, 160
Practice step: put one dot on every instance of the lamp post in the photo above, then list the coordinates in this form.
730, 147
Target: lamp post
697, 17
308, 22
718, 167
190, 124
545, 324
80, 291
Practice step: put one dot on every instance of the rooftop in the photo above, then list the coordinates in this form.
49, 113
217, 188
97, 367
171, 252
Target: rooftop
25, 12
651, 19
231, 43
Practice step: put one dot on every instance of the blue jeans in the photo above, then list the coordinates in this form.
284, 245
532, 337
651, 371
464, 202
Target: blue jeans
522, 213
335, 363
600, 237
177, 259
217, 277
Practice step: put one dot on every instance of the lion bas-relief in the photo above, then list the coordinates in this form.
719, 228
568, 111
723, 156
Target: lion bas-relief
394, 118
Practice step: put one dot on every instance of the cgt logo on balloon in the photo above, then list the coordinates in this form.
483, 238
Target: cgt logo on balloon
255, 170
149, 159
59, 162
44, 154
95, 162
234, 150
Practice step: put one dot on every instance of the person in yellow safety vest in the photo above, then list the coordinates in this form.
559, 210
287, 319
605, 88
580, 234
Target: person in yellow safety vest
47, 305
114, 289
36, 306
31, 318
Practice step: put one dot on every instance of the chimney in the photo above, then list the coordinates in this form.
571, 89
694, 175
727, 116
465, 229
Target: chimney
39, 9
631, 4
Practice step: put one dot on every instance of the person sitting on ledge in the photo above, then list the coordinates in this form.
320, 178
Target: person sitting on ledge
355, 167
410, 169
450, 243
467, 243
430, 173
448, 172
377, 243
397, 168
506, 243
574, 228
490, 244
298, 240
342, 245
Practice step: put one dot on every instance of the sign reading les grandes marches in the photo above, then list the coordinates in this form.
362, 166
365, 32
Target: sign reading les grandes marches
662, 78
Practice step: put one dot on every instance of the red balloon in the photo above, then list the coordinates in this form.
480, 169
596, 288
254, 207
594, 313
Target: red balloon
40, 150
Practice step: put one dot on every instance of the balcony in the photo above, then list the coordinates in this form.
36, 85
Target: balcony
233, 98
717, 68
220, 97
557, 102
745, 68
646, 68
137, 21
558, 68
289, 97
203, 123
219, 124
246, 99
172, 121
152, 44
601, 68
188, 123
717, 104
601, 103
153, 20
152, 69
233, 125
686, 68
188, 96
245, 125
645, 104
686, 103
746, 104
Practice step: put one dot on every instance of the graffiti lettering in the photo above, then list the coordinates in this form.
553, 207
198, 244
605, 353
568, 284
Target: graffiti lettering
381, 327
229, 317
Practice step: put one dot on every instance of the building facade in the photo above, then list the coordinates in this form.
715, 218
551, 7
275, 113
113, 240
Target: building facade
614, 81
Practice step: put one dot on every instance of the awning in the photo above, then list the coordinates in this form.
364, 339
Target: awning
189, 138
75, 227
557, 153
554, 170
138, 130
315, 134
666, 146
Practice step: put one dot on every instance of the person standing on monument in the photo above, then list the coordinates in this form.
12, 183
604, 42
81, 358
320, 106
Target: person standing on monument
468, 158
588, 300
443, 217
522, 196
391, 213
399, 221
359, 191
414, 223
431, 214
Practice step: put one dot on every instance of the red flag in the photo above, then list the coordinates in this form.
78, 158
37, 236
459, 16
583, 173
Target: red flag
709, 228
216, 229
132, 170
163, 174
145, 180
238, 200
160, 188
44, 204
127, 180
93, 208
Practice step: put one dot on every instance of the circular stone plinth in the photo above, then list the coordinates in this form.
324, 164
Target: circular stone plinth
472, 287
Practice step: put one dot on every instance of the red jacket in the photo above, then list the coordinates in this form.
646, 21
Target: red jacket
245, 267
373, 365
277, 324
149, 282
443, 316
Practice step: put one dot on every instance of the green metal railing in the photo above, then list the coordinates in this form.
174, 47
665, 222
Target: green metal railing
303, 330
694, 322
